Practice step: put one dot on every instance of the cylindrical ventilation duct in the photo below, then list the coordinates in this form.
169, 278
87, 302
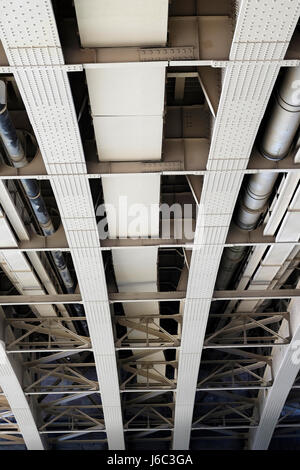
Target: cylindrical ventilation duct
254, 199
16, 154
8, 133
275, 144
284, 117
231, 258
37, 202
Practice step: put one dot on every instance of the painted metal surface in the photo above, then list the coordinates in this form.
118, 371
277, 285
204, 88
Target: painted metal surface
122, 23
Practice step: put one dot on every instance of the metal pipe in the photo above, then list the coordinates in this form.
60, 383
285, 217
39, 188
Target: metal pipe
275, 144
18, 158
32, 190
232, 257
254, 200
284, 119
8, 133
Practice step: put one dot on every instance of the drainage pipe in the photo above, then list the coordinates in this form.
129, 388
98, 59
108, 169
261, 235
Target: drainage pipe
18, 158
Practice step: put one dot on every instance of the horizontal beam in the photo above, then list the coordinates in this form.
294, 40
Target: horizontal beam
6, 175
211, 389
236, 237
147, 297
142, 348
218, 295
119, 243
47, 350
186, 163
241, 345
256, 294
44, 319
150, 390
40, 299
137, 429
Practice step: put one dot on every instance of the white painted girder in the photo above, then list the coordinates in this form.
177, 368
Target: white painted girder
245, 93
48, 100
11, 383
285, 360
9, 208
280, 202
285, 365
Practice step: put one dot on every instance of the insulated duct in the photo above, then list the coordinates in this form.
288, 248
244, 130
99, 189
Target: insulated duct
275, 144
18, 158
254, 200
284, 118
8, 133
231, 258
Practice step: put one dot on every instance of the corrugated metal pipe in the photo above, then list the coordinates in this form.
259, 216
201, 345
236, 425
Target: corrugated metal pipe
254, 200
284, 118
232, 256
18, 158
37, 202
275, 144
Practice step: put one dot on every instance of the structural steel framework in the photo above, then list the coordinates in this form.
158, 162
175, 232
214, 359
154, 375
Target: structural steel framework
163, 357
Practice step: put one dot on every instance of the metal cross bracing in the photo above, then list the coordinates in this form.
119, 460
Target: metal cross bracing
70, 419
153, 333
46, 333
151, 378
227, 414
9, 429
239, 326
52, 334
235, 368
60, 377
72, 416
232, 367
